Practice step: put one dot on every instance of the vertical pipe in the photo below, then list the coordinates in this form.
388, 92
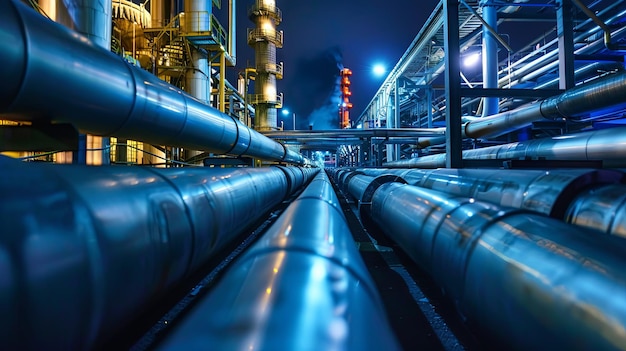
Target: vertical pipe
232, 25
197, 76
490, 57
157, 12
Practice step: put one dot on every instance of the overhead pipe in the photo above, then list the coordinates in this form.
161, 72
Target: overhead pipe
606, 145
503, 267
99, 245
301, 286
550, 57
101, 94
610, 44
604, 93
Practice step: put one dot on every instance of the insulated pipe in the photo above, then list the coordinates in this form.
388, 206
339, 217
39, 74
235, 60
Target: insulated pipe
601, 208
525, 280
607, 145
605, 93
590, 198
301, 286
98, 245
99, 93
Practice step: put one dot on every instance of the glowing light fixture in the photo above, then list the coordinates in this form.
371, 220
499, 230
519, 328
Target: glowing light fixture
471, 59
379, 70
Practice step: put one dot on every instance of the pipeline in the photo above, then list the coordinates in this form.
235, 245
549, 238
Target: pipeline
607, 145
524, 280
589, 198
86, 249
302, 286
601, 94
74, 81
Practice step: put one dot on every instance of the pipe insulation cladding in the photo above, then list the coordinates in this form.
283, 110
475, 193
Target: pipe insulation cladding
590, 198
84, 250
301, 286
525, 280
607, 145
51, 74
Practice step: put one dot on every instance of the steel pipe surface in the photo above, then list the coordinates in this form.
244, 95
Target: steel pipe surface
74, 81
608, 145
302, 286
528, 281
84, 250
590, 198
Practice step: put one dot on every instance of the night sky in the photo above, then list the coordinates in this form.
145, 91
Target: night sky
323, 36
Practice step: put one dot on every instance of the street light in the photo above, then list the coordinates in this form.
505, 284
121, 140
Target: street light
286, 113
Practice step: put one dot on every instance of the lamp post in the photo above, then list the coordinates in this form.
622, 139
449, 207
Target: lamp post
286, 113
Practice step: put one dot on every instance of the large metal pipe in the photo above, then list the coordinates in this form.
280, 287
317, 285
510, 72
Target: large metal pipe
99, 93
605, 93
302, 286
607, 145
95, 246
590, 198
529, 282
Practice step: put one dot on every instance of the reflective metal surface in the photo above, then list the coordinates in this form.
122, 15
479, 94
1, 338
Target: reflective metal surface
302, 286
528, 281
577, 196
601, 208
608, 145
84, 250
74, 81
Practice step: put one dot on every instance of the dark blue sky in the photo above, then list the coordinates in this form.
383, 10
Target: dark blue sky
321, 36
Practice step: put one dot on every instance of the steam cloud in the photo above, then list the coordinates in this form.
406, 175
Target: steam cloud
318, 90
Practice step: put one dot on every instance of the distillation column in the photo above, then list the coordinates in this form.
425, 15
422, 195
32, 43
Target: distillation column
197, 76
265, 39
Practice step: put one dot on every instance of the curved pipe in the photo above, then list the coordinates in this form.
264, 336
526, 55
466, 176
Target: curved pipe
512, 273
302, 286
608, 145
100, 94
98, 245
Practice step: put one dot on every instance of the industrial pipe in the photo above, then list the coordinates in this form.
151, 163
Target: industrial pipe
85, 250
590, 198
607, 145
302, 286
527, 281
605, 93
74, 81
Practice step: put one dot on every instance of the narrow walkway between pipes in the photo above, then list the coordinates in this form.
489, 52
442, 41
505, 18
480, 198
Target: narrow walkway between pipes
422, 318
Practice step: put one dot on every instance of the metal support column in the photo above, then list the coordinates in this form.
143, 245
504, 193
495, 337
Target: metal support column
429, 106
565, 34
452, 84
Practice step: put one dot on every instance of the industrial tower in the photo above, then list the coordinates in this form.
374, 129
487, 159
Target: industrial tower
345, 105
265, 39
